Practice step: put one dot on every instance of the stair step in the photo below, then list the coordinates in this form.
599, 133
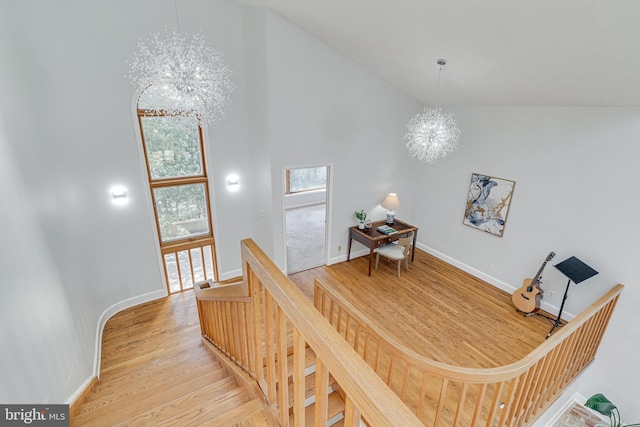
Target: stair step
309, 358
335, 407
251, 414
131, 405
309, 387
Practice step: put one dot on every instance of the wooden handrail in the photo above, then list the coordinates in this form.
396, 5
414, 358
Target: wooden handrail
479, 374
251, 323
260, 322
521, 390
378, 405
209, 291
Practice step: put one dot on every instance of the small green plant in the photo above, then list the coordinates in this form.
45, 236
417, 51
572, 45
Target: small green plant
361, 215
601, 404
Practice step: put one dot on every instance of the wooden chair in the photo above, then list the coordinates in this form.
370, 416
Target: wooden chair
397, 251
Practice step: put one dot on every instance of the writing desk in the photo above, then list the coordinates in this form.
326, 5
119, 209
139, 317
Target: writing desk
373, 239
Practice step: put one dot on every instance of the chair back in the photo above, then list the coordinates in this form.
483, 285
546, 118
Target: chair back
406, 242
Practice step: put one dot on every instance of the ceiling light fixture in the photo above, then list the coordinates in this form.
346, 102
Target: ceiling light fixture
432, 135
185, 78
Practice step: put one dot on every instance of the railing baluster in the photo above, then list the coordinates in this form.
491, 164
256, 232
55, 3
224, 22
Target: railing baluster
283, 374
299, 347
479, 404
322, 401
460, 408
252, 331
267, 303
351, 414
441, 401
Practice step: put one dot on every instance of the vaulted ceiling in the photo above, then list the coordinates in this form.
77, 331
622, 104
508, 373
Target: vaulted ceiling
499, 52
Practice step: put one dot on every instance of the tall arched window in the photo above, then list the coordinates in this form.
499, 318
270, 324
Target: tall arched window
177, 173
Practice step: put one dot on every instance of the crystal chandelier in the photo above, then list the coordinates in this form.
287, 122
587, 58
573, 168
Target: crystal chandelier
432, 135
185, 78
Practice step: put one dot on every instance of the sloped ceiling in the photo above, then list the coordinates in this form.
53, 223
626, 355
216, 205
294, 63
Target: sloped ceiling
499, 52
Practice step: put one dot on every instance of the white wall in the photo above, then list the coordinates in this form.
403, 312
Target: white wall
326, 109
67, 136
69, 132
574, 170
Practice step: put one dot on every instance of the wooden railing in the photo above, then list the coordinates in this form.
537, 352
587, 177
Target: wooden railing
445, 395
251, 323
187, 263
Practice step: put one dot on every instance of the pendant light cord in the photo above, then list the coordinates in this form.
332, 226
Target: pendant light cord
175, 3
441, 63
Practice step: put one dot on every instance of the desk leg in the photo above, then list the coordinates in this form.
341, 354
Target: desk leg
370, 259
349, 248
415, 239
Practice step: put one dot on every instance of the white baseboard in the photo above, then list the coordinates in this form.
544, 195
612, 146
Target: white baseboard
549, 308
115, 308
558, 412
342, 258
76, 394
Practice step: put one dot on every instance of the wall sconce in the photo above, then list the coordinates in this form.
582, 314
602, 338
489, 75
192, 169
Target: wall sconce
392, 203
233, 182
119, 195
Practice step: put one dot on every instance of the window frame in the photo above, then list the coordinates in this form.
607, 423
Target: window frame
287, 189
176, 181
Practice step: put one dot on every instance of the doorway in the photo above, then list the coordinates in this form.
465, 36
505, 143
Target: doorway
305, 217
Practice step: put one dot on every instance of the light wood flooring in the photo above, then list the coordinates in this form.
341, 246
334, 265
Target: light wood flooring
436, 310
155, 370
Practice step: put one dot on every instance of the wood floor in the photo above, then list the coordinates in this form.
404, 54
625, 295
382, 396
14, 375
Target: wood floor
436, 310
155, 370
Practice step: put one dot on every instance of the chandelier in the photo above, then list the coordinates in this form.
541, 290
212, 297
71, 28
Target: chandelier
432, 135
186, 78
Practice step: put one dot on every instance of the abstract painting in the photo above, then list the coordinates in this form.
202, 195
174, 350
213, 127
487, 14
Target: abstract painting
488, 203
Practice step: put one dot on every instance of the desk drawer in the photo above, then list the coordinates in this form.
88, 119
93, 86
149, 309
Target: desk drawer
383, 242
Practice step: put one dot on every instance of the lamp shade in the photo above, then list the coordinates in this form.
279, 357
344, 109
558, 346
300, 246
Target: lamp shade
391, 202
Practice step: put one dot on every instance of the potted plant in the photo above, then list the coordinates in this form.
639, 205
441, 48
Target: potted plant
362, 216
601, 404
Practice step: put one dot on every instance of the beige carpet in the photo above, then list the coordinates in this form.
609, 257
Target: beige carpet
305, 231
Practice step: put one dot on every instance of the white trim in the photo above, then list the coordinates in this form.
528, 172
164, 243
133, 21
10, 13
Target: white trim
115, 308
76, 394
328, 202
550, 308
561, 410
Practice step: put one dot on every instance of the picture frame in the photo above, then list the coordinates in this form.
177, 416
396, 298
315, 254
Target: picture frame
488, 203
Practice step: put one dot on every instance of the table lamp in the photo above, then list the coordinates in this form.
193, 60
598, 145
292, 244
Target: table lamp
392, 203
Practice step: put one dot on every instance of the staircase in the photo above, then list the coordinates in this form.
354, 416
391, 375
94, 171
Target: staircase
335, 399
271, 335
155, 371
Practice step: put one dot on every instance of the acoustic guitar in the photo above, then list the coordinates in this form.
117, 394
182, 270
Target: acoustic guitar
527, 298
